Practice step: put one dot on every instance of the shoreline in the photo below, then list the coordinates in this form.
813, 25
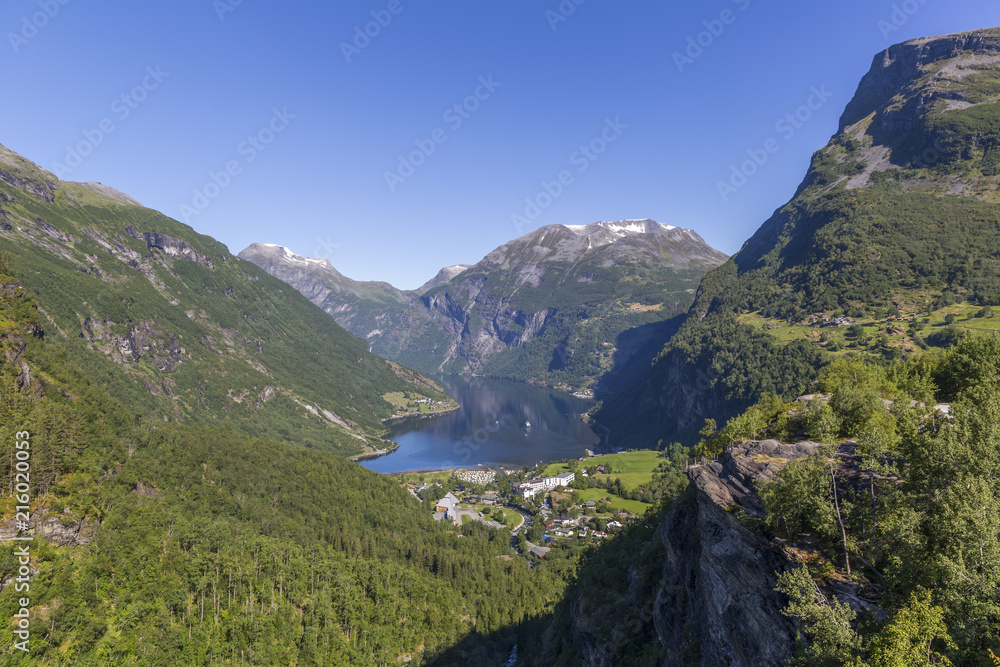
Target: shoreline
479, 466
376, 454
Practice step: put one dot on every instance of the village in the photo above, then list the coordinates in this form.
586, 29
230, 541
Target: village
544, 507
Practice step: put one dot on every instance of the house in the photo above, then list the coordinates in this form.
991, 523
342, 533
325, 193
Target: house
489, 500
448, 505
473, 499
539, 551
590, 503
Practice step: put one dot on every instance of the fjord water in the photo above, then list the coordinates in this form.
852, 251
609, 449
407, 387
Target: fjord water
490, 428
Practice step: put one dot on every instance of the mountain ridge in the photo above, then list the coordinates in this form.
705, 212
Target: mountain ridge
897, 211
519, 312
183, 328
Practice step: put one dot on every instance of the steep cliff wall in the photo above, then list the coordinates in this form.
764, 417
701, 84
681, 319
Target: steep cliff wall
717, 599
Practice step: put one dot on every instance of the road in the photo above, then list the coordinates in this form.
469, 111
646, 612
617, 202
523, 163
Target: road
526, 522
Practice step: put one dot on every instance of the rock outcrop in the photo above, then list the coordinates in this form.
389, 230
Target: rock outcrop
895, 70
717, 596
700, 590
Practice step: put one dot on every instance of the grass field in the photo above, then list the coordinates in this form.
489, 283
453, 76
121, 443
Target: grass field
410, 403
439, 477
634, 468
629, 479
633, 506
896, 330
511, 518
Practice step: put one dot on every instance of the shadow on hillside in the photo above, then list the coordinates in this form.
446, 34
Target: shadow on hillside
607, 609
635, 350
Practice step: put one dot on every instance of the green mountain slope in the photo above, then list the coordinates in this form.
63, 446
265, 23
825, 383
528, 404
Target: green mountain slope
167, 543
178, 326
897, 217
551, 307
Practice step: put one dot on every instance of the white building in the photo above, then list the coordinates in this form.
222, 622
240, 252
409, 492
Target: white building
540, 485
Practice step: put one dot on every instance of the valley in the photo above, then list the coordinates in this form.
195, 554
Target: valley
601, 445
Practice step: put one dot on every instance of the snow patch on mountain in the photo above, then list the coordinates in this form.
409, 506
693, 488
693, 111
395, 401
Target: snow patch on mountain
621, 228
298, 259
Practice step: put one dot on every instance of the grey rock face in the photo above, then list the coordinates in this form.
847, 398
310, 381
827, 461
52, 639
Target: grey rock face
898, 67
717, 596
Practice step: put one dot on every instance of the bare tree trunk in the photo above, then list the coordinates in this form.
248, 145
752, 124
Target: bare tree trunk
843, 531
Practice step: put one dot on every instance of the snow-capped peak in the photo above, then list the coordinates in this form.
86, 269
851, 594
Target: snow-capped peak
631, 226
290, 256
620, 228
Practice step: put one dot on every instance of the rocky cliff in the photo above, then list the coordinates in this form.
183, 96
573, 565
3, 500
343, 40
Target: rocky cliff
700, 589
717, 595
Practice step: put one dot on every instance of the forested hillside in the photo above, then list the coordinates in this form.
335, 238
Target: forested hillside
880, 534
168, 543
176, 326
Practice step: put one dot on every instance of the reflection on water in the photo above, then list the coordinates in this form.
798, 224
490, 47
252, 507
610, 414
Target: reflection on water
491, 428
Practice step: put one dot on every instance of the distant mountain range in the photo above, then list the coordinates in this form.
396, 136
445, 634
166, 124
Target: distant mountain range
181, 328
562, 305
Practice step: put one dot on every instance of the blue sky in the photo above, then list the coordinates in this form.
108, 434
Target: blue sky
258, 120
